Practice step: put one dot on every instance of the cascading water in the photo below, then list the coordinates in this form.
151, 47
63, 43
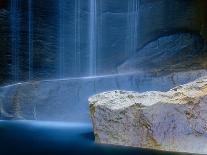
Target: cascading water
79, 48
30, 39
133, 22
92, 37
77, 37
69, 58
61, 51
99, 29
15, 38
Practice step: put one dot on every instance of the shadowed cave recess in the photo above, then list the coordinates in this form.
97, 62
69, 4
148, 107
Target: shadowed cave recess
54, 54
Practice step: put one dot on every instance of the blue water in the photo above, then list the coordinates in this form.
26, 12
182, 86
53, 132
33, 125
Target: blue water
61, 51
23, 137
30, 39
77, 37
92, 37
15, 38
132, 22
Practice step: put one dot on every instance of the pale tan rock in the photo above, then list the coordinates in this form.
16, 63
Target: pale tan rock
173, 121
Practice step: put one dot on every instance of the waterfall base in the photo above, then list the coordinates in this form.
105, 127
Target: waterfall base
66, 99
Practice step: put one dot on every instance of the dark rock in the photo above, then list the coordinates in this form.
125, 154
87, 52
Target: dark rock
173, 53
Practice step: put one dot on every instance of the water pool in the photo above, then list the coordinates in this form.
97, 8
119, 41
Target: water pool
24, 137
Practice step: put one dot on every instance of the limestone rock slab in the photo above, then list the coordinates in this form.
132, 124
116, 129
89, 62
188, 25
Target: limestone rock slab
175, 120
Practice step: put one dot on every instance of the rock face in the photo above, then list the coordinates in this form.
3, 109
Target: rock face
167, 54
175, 120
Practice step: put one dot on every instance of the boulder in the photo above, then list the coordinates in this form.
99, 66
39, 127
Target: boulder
175, 120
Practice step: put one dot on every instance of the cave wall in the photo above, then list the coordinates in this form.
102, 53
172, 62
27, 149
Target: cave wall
120, 34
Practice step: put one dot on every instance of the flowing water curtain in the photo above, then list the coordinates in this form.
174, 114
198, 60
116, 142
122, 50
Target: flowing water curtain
61, 50
133, 23
72, 60
92, 37
30, 39
99, 35
69, 48
77, 37
15, 39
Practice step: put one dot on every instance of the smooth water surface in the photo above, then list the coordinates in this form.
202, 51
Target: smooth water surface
23, 137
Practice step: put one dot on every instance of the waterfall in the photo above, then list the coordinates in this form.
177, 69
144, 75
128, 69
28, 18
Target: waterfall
92, 37
77, 37
99, 35
15, 38
135, 17
61, 51
133, 23
30, 39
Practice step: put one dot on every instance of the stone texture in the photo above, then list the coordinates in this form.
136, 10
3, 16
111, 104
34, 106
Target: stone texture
175, 120
66, 99
167, 54
4, 45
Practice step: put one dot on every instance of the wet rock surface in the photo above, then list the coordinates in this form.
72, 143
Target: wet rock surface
66, 99
167, 54
4, 45
175, 120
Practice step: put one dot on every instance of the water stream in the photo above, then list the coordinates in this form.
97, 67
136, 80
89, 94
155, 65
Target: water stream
30, 39
61, 51
133, 22
92, 37
15, 39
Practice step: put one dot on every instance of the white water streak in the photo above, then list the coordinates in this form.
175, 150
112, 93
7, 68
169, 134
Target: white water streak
92, 37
